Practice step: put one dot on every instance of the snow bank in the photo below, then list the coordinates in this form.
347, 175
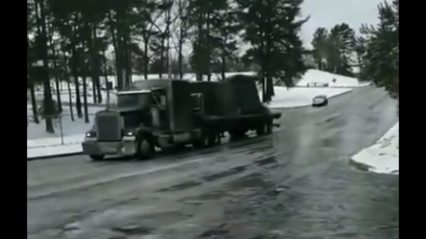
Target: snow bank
301, 96
53, 150
317, 77
383, 156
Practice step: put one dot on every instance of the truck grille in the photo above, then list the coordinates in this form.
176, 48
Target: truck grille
108, 126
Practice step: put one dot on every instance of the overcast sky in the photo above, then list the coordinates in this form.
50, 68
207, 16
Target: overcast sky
327, 13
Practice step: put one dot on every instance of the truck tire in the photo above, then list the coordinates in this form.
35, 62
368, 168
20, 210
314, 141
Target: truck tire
262, 129
269, 127
96, 157
237, 134
214, 139
203, 142
144, 149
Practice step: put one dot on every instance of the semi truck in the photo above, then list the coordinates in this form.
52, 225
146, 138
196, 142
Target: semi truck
167, 114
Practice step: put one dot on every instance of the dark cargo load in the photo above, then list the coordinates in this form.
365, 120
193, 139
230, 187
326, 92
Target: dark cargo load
231, 97
209, 98
242, 90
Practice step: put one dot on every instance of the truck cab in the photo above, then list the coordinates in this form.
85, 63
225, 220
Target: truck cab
151, 114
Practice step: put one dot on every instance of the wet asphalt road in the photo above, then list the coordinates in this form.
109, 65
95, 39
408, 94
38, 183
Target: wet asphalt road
296, 183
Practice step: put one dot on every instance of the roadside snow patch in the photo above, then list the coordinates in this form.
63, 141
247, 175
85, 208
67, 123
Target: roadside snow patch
383, 156
54, 150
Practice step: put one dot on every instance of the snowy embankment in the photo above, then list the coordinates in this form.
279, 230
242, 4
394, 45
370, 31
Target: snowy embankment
383, 156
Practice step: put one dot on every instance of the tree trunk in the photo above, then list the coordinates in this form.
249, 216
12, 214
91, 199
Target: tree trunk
181, 37
56, 76
70, 98
86, 111
145, 58
58, 93
168, 65
31, 86
47, 102
269, 87
74, 69
199, 72
92, 65
55, 68
264, 97
34, 103
116, 52
94, 93
180, 57
208, 47
98, 89
127, 57
106, 77
97, 66
223, 61
69, 88
121, 47
160, 74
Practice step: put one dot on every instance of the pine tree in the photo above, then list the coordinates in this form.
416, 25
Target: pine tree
381, 61
320, 46
272, 27
227, 29
203, 15
341, 49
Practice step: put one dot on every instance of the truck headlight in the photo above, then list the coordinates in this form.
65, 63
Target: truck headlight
91, 134
129, 133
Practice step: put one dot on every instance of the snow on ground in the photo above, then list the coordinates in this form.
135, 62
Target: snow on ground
301, 96
383, 156
317, 77
41, 143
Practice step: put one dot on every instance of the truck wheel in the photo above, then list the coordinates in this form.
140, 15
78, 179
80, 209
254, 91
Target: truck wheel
237, 134
97, 157
144, 149
269, 127
201, 143
262, 129
214, 139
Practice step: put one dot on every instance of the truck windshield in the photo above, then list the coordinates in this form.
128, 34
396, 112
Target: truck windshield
141, 100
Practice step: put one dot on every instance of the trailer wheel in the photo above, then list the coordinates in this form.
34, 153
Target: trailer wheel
144, 148
96, 157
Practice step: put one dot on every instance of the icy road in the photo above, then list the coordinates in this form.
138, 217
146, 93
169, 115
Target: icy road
296, 183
